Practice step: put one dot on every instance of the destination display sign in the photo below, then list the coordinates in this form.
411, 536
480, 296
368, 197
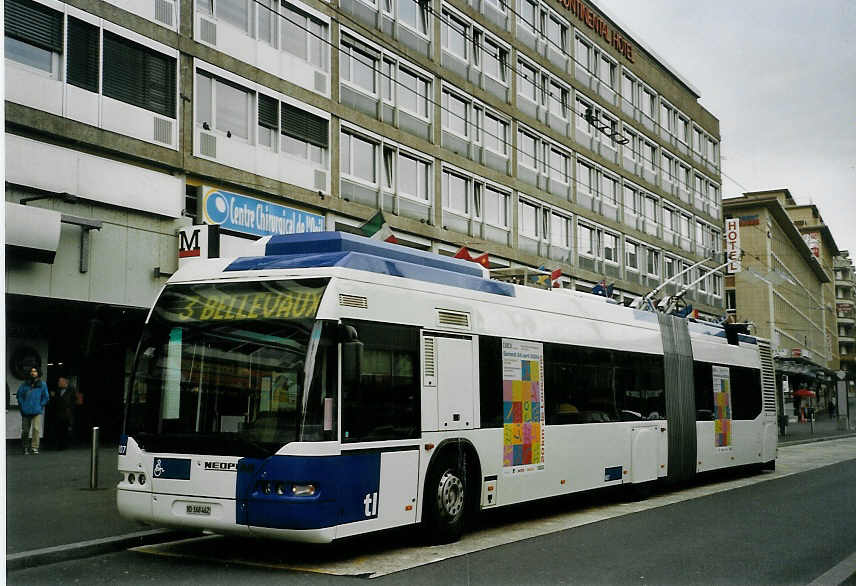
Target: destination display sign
274, 300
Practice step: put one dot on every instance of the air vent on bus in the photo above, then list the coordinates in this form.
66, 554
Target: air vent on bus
456, 319
768, 377
353, 301
430, 365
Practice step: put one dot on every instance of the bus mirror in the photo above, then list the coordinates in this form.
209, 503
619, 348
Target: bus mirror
347, 334
352, 362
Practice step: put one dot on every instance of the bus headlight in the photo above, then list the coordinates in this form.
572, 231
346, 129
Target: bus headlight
141, 478
302, 489
131, 478
266, 487
280, 488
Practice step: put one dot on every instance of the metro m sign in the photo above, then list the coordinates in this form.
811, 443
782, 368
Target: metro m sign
732, 245
197, 242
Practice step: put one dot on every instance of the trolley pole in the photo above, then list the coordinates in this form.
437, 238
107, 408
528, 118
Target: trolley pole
93, 460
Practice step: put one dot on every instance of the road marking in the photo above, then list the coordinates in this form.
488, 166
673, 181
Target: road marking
838, 574
377, 558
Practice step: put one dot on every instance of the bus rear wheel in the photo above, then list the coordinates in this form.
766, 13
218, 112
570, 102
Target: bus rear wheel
445, 501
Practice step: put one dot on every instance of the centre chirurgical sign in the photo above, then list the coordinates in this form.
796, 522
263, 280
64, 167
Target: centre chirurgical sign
249, 215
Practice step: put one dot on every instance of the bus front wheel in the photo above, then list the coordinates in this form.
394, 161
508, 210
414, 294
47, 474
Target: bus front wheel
446, 500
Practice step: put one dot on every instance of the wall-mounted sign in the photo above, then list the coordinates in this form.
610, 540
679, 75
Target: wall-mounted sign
255, 216
752, 220
587, 16
732, 245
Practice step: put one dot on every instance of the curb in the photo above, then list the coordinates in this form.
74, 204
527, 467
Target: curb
84, 549
812, 440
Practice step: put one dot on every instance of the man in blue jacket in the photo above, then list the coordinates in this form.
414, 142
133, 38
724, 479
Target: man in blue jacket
32, 398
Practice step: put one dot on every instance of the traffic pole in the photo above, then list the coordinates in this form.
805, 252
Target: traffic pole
93, 460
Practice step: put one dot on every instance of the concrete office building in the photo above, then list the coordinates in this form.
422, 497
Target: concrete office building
783, 288
845, 295
541, 132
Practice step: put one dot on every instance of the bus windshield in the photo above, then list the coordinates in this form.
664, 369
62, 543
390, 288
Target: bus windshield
234, 369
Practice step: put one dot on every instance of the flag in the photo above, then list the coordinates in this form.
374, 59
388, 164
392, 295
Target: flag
377, 229
481, 259
463, 253
554, 276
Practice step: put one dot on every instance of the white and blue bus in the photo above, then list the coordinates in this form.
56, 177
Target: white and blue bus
339, 385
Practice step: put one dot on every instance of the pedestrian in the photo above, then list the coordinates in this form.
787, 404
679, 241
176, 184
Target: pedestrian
63, 400
32, 398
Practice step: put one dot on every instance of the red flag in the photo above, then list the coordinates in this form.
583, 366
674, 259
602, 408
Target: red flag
483, 260
463, 253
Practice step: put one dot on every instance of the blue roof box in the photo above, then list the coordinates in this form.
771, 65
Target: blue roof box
340, 249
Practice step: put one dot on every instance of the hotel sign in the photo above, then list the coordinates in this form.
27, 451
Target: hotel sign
599, 26
732, 245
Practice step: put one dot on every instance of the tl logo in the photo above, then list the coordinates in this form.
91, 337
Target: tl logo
371, 504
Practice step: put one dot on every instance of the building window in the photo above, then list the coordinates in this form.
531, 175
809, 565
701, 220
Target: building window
610, 247
455, 192
268, 121
717, 285
587, 241
220, 105
305, 37
527, 81
631, 255
305, 135
609, 189
495, 207
558, 100
527, 153
527, 15
651, 208
83, 58
583, 53
33, 36
413, 92
137, 75
527, 219
358, 157
456, 113
557, 32
586, 178
495, 62
495, 134
235, 12
558, 166
456, 35
649, 153
413, 177
653, 262
606, 70
560, 230
414, 14
357, 65
669, 218
669, 264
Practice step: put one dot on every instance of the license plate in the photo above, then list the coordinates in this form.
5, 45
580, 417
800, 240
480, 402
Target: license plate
199, 510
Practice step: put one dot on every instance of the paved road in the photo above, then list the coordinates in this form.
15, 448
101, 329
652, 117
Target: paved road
782, 530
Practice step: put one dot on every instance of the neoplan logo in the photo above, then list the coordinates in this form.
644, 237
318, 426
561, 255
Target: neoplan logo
189, 246
222, 466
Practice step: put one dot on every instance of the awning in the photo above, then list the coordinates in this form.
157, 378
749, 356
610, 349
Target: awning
32, 233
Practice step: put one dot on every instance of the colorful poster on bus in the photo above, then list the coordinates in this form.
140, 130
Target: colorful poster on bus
721, 407
523, 406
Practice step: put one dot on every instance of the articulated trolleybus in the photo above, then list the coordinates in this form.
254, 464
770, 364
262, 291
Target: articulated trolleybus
339, 385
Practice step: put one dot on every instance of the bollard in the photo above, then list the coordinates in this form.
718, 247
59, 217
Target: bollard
93, 460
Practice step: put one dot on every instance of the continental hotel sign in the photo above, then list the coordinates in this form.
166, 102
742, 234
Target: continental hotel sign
587, 16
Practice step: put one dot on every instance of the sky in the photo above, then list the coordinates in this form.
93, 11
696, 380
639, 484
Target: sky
780, 75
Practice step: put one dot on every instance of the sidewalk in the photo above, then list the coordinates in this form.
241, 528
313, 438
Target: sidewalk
823, 428
51, 514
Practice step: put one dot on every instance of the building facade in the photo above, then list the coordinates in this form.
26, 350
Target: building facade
782, 288
845, 296
540, 132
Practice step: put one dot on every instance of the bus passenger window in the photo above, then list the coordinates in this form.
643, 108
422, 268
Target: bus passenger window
490, 381
383, 403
